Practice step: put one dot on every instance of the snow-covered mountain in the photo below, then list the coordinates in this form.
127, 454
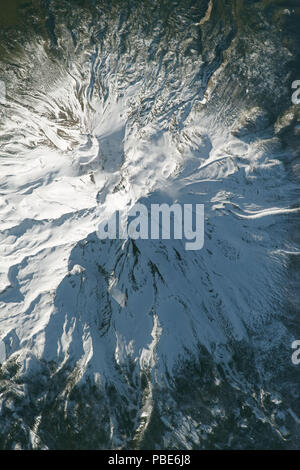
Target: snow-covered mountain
142, 344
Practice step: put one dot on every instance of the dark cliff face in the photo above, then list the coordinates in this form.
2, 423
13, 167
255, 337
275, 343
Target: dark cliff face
215, 77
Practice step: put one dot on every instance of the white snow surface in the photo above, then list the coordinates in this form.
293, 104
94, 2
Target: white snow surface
68, 160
